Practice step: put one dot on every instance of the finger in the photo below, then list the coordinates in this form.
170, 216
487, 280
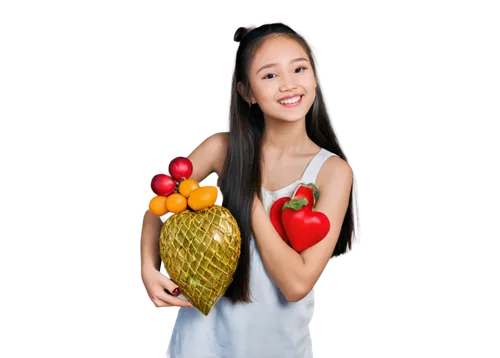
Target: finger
182, 297
170, 286
164, 296
160, 303
175, 292
174, 300
178, 302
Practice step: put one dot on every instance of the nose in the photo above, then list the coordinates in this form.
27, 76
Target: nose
287, 83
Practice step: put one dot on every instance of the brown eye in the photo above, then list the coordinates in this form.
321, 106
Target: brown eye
266, 78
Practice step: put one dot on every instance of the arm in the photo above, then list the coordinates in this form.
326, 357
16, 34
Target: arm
204, 158
297, 273
150, 249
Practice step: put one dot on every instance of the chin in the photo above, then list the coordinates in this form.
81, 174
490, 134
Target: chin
290, 116
292, 119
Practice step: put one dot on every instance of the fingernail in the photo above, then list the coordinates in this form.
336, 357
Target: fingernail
176, 292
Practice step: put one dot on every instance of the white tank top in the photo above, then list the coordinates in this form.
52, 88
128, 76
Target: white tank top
269, 327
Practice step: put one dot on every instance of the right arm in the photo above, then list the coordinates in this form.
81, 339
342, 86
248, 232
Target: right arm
205, 158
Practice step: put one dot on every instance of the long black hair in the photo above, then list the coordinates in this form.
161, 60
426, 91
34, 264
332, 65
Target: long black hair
241, 177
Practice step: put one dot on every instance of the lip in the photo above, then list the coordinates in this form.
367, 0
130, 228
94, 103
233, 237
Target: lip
291, 96
292, 104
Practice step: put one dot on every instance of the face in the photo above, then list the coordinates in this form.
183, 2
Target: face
280, 69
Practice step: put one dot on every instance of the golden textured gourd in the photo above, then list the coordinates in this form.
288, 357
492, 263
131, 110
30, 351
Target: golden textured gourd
200, 251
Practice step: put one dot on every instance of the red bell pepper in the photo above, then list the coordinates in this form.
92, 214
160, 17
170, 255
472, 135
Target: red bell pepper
275, 215
309, 192
303, 226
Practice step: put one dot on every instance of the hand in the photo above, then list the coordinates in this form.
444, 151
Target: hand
156, 283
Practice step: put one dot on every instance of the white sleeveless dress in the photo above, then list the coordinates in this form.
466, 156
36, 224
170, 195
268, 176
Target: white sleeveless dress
269, 327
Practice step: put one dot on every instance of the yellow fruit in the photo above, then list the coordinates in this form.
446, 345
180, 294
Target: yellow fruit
186, 187
158, 206
203, 197
200, 251
176, 203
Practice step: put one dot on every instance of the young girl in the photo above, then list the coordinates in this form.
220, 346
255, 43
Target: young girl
280, 135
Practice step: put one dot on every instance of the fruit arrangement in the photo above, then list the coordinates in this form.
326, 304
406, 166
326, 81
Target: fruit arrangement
296, 221
177, 192
200, 244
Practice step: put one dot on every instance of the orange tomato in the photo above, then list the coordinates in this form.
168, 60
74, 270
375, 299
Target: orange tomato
158, 206
176, 203
202, 197
186, 187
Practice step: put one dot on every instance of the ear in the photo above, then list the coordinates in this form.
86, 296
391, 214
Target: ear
242, 91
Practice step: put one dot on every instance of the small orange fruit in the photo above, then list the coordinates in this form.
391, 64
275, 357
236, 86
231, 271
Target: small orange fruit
186, 187
158, 206
176, 203
202, 197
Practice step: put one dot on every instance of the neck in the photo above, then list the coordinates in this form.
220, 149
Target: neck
286, 138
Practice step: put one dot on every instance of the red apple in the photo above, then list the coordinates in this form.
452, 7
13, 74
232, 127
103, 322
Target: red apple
180, 168
163, 185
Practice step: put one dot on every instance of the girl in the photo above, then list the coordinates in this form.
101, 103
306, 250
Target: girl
279, 136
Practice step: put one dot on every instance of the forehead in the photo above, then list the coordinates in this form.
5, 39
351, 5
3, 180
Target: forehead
278, 49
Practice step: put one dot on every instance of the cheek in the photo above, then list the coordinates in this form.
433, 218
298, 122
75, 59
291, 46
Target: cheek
309, 83
263, 91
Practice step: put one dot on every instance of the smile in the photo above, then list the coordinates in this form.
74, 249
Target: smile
291, 102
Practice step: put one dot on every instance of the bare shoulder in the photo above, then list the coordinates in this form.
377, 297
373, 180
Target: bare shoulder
206, 157
335, 169
222, 147
218, 141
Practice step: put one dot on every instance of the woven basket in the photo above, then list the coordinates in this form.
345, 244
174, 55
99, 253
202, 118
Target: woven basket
200, 251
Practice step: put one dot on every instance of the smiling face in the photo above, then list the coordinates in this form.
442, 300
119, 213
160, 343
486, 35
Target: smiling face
281, 69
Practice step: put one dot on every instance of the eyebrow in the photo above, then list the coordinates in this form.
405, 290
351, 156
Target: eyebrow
274, 64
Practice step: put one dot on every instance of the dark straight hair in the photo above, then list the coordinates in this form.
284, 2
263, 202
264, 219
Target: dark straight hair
241, 177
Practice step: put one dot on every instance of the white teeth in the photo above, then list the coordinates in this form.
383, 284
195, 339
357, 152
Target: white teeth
290, 100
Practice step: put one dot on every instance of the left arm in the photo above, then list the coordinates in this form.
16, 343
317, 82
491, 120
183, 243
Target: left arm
297, 273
